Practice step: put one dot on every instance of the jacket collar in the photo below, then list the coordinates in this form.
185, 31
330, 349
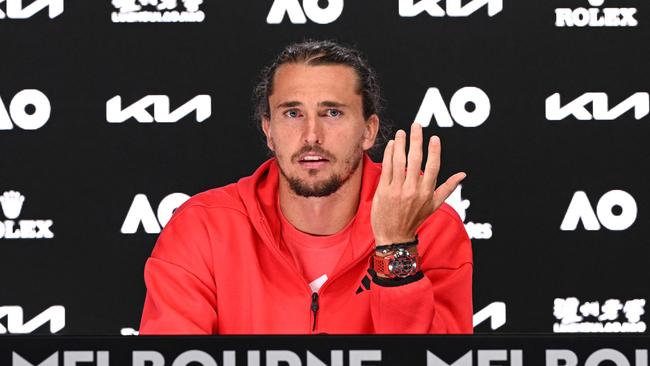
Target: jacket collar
259, 195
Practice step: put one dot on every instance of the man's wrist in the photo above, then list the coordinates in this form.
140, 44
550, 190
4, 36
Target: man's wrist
382, 241
387, 249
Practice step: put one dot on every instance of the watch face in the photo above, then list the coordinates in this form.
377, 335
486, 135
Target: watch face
403, 264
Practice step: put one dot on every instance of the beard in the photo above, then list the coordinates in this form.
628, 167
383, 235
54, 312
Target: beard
330, 184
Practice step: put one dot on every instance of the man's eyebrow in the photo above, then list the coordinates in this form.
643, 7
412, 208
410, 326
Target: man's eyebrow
326, 103
289, 104
329, 103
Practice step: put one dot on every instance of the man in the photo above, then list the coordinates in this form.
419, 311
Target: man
292, 248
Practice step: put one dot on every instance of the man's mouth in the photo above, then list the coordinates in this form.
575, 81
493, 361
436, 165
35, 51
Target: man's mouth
312, 161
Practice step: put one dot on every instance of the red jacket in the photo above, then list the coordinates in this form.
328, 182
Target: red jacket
217, 269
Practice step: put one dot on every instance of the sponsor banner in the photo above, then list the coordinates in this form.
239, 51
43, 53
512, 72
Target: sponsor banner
11, 203
20, 9
608, 316
449, 8
157, 11
298, 13
117, 112
475, 230
495, 312
468, 107
616, 210
29, 109
597, 15
596, 106
141, 213
13, 320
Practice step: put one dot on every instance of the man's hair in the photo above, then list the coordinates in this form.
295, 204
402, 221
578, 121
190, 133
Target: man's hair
314, 53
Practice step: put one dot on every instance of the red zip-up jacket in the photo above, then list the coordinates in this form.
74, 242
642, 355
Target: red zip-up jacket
217, 269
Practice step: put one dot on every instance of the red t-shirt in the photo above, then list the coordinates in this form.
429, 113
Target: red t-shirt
315, 256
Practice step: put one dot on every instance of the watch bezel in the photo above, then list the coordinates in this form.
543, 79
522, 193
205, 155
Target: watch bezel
403, 264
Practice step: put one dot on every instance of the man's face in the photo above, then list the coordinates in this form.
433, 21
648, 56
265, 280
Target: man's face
317, 130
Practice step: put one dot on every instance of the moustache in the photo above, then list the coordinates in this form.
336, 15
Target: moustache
313, 149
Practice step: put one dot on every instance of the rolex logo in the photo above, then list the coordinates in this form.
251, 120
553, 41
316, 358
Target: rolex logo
12, 204
10, 228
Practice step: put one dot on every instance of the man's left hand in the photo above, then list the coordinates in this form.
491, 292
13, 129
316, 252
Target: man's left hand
404, 197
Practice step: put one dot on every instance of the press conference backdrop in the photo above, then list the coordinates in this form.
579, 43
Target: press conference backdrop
112, 113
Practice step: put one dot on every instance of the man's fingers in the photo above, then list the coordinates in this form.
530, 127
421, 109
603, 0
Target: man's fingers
432, 166
387, 164
399, 158
447, 188
415, 155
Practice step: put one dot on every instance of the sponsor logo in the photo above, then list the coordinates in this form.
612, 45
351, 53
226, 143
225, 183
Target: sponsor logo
129, 332
600, 111
593, 317
29, 109
141, 212
157, 11
452, 8
365, 283
468, 107
595, 16
14, 8
580, 209
15, 324
201, 105
475, 230
496, 312
310, 9
12, 204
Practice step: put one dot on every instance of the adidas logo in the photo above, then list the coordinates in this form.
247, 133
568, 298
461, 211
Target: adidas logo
365, 283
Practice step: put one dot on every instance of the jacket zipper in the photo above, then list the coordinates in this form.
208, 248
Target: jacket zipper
314, 308
314, 295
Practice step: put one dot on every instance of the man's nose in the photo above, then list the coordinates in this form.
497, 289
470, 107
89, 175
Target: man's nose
313, 130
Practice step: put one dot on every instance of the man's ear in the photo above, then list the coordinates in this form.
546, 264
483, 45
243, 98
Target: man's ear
370, 133
266, 127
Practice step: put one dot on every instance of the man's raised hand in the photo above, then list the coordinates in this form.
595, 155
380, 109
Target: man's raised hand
404, 197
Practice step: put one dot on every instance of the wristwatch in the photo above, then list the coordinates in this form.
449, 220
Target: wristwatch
400, 263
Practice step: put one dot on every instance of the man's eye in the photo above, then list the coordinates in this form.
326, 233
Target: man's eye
292, 113
333, 113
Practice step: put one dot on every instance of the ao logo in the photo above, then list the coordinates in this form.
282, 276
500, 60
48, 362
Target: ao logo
434, 106
580, 209
15, 9
141, 212
201, 104
453, 8
55, 315
639, 102
496, 312
27, 120
311, 9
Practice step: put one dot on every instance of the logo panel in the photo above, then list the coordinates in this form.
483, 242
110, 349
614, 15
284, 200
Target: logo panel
595, 16
11, 203
157, 11
141, 212
468, 107
611, 316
